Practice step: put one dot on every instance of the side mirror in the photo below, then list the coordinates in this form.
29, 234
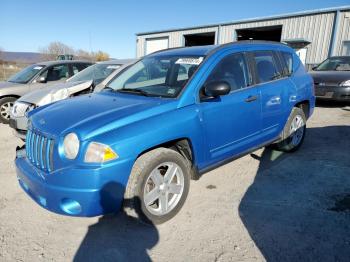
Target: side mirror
41, 79
217, 88
314, 67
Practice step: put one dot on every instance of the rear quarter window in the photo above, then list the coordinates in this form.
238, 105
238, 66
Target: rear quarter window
287, 59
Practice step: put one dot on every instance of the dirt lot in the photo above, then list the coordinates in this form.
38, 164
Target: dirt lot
264, 206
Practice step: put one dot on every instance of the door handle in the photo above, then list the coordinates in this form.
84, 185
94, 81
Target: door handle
251, 98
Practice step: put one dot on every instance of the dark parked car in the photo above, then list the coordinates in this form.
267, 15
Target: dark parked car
332, 79
35, 77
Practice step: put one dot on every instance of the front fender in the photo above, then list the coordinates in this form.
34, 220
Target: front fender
132, 140
14, 91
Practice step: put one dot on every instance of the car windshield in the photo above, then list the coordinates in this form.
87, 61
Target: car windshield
162, 76
335, 64
96, 72
25, 75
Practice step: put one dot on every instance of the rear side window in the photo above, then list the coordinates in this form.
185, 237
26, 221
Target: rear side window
288, 62
266, 66
78, 67
232, 69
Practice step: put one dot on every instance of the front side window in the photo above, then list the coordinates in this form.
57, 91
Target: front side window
56, 73
163, 76
26, 74
96, 72
233, 70
266, 66
335, 64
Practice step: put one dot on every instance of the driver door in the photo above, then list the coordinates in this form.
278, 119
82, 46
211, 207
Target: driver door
232, 122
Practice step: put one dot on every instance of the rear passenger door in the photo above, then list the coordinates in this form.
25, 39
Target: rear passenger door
273, 84
231, 122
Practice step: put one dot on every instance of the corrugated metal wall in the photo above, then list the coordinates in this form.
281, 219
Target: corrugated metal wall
343, 32
317, 28
175, 38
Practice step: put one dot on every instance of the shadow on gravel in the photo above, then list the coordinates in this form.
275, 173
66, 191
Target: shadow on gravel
288, 208
117, 238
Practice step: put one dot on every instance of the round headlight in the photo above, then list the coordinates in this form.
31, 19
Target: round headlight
71, 146
19, 109
345, 83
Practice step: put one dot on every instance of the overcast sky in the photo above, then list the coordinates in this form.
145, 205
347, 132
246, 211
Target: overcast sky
28, 25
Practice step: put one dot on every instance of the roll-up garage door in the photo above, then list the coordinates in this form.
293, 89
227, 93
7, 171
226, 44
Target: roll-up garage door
156, 44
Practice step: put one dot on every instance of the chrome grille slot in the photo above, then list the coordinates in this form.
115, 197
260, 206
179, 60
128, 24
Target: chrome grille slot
34, 148
39, 150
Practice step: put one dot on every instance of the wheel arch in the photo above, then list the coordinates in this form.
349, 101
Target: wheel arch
305, 106
181, 145
13, 96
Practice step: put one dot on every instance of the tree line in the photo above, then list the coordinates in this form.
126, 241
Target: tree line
52, 50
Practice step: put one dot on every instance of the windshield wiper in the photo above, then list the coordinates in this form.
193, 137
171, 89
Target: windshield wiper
134, 91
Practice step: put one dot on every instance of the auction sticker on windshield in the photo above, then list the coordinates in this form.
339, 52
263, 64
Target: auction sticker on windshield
189, 61
38, 67
113, 66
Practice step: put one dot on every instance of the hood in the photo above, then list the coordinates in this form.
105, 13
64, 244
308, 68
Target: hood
332, 77
53, 93
93, 114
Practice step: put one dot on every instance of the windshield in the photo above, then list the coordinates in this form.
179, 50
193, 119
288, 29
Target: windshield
163, 76
335, 64
96, 72
26, 74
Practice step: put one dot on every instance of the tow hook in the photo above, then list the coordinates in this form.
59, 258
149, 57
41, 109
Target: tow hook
20, 151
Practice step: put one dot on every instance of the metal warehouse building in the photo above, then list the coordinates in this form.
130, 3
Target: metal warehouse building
315, 35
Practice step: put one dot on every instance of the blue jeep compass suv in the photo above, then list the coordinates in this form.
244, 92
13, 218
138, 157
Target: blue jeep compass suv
170, 117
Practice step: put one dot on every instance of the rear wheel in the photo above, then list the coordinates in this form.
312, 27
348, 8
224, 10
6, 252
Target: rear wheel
294, 131
6, 105
158, 186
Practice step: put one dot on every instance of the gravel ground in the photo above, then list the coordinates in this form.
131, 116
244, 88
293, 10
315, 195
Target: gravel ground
264, 206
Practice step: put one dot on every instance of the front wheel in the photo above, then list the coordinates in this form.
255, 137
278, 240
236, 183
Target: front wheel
158, 186
6, 105
294, 131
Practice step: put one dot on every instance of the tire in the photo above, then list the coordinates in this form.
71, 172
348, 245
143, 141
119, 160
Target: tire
149, 175
294, 131
6, 104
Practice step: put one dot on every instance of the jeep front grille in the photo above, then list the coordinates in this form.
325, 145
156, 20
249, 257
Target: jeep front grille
39, 150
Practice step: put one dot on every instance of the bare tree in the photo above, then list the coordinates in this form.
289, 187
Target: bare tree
93, 56
1, 50
82, 54
54, 49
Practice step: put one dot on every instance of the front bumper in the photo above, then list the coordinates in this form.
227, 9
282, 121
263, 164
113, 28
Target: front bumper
20, 126
84, 198
335, 93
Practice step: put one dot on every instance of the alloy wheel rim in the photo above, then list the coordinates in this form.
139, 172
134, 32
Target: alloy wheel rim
5, 110
297, 130
163, 188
